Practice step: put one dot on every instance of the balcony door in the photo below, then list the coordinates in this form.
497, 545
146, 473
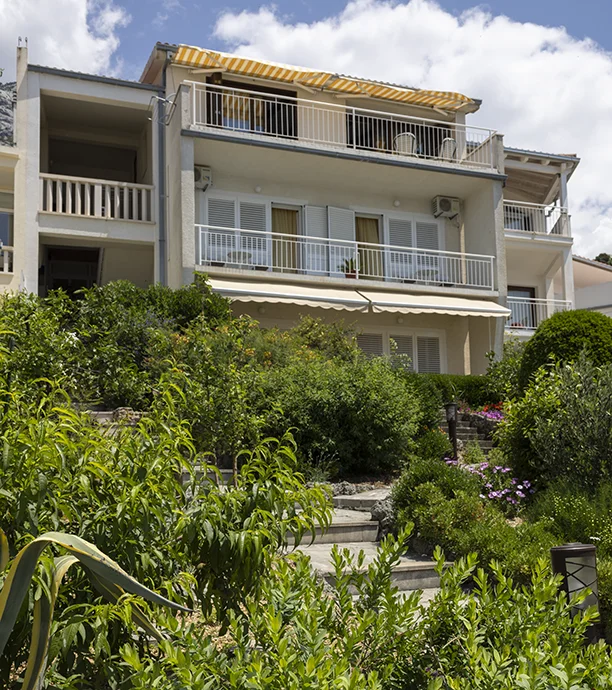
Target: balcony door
522, 307
368, 233
285, 225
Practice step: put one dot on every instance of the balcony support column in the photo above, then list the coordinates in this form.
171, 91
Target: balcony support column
567, 272
563, 188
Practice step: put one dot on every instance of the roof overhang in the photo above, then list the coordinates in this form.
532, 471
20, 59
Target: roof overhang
204, 60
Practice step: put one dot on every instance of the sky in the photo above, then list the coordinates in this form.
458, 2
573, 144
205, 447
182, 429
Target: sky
543, 68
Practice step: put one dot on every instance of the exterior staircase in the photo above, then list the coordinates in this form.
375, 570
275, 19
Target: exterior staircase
354, 530
467, 432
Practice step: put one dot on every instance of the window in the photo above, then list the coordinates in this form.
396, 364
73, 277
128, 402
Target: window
367, 232
6, 218
424, 351
406, 264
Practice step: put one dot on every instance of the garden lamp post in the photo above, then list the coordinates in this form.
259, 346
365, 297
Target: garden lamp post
451, 419
577, 564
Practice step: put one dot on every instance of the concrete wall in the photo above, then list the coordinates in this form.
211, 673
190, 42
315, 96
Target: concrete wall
596, 297
128, 263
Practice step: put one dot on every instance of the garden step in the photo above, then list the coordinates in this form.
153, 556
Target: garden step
347, 526
226, 475
411, 573
361, 501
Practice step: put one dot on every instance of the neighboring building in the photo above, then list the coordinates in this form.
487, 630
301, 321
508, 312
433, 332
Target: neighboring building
297, 191
593, 285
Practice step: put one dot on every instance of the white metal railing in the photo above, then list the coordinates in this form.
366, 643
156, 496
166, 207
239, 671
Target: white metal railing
325, 125
544, 220
6, 258
527, 313
82, 196
297, 254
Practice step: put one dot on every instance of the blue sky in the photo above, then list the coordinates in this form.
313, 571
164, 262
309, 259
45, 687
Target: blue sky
192, 21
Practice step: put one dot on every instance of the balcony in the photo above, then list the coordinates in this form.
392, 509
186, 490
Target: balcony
528, 313
90, 198
6, 259
326, 126
247, 250
536, 218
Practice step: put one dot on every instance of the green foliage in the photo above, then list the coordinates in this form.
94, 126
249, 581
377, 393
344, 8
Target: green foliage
503, 374
433, 444
604, 258
356, 413
474, 390
564, 336
562, 427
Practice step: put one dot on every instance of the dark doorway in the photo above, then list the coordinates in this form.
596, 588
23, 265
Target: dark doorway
70, 268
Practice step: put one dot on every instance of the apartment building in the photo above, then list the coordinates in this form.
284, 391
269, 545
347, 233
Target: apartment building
298, 192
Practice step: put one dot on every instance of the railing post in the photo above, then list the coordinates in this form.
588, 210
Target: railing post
97, 200
354, 128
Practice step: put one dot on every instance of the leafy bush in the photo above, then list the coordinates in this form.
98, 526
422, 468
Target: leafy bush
503, 374
474, 390
562, 426
563, 337
358, 414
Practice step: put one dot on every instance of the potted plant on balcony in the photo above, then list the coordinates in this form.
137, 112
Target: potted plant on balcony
349, 268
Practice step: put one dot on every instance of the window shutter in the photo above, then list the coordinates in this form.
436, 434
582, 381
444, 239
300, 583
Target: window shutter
341, 223
400, 232
255, 246
400, 235
342, 255
221, 213
428, 355
427, 235
315, 257
403, 346
371, 344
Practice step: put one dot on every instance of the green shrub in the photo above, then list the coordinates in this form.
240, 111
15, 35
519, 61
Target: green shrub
474, 390
562, 426
503, 374
563, 337
358, 414
432, 445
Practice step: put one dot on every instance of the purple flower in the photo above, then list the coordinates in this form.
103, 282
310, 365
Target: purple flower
510, 499
527, 484
484, 465
505, 491
452, 462
498, 468
520, 494
488, 486
520, 486
494, 494
514, 481
513, 501
505, 470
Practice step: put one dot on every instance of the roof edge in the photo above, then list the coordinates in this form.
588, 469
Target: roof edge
70, 74
592, 262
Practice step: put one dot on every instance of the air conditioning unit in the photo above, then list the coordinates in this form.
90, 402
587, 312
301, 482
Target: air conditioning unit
445, 206
202, 177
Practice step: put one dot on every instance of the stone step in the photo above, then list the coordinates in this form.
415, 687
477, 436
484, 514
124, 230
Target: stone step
361, 501
226, 475
410, 574
348, 526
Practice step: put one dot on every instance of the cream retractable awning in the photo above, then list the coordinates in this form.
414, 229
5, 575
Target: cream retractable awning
432, 304
201, 58
281, 293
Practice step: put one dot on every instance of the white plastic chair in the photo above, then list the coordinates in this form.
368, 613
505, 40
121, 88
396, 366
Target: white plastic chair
405, 143
448, 149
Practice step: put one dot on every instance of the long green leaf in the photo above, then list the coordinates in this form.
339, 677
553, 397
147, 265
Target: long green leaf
41, 628
19, 577
4, 550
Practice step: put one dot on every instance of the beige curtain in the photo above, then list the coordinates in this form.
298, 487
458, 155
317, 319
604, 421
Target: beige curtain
284, 249
370, 258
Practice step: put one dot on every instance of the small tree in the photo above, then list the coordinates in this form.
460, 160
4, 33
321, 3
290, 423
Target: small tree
563, 337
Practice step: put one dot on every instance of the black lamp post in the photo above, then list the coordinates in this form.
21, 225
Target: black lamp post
577, 563
451, 419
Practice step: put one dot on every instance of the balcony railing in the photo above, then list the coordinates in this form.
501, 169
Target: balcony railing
6, 259
527, 313
233, 248
543, 220
326, 125
81, 196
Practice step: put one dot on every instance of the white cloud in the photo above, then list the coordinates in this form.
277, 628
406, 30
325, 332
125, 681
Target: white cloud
72, 34
168, 7
542, 88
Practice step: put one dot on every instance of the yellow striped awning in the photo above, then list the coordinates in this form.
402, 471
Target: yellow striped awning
201, 58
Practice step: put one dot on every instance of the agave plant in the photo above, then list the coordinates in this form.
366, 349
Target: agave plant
106, 576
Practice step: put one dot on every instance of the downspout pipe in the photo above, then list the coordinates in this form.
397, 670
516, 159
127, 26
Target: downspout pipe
161, 142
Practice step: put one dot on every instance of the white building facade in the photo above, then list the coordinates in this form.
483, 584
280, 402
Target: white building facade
297, 192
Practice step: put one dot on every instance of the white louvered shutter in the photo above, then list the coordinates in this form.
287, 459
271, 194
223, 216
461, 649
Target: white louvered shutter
427, 237
404, 346
428, 355
221, 213
400, 261
342, 255
315, 258
254, 245
371, 344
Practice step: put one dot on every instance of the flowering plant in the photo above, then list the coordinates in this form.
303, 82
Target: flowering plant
499, 486
490, 411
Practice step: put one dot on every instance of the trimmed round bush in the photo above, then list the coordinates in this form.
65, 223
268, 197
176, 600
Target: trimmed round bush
564, 336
